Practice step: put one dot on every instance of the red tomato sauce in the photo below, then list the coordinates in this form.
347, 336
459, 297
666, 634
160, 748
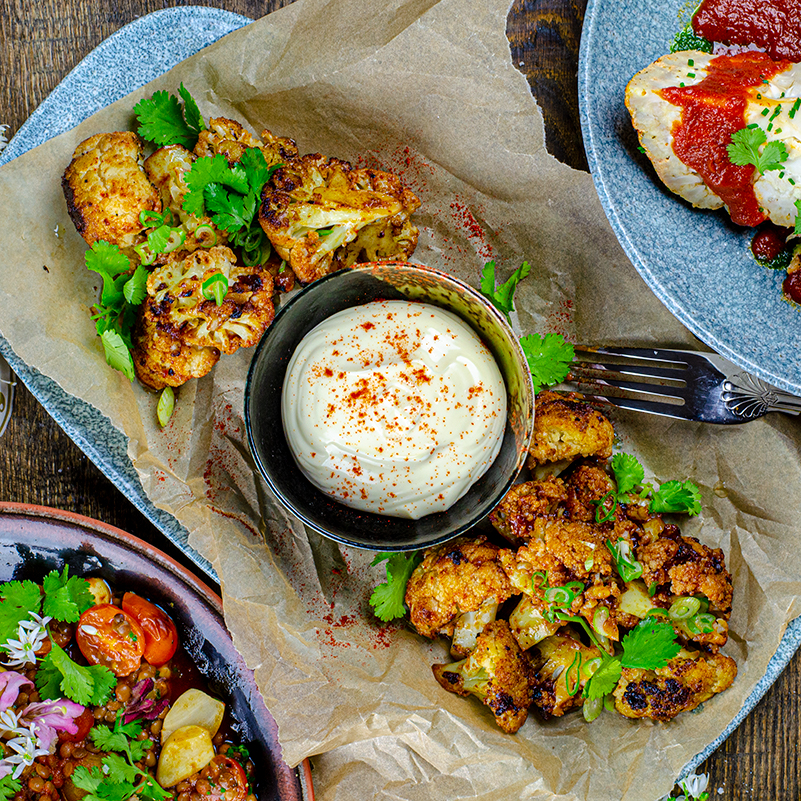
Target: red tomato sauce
774, 25
712, 111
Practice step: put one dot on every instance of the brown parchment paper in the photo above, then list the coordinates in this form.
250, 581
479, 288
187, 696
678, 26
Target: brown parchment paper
425, 88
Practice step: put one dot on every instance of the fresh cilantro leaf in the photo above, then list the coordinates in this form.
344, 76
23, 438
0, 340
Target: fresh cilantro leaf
797, 227
162, 120
502, 297
649, 645
65, 596
20, 598
157, 238
228, 210
211, 170
8, 787
119, 769
192, 115
135, 288
255, 166
676, 496
88, 779
118, 354
629, 473
548, 358
387, 598
744, 149
605, 679
90, 686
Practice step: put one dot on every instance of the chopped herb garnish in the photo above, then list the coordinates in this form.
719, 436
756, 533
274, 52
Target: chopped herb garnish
502, 297
387, 598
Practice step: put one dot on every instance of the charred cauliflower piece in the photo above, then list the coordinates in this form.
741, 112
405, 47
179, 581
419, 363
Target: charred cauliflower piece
106, 188
680, 686
558, 675
231, 139
566, 427
527, 506
166, 169
498, 672
321, 215
180, 334
452, 579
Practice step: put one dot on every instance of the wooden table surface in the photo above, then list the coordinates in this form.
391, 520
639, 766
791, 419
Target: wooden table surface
41, 41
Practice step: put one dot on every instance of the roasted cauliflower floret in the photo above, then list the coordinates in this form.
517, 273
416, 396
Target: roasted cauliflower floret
181, 334
498, 672
452, 579
321, 215
106, 188
566, 427
166, 169
528, 622
527, 506
559, 677
231, 139
683, 684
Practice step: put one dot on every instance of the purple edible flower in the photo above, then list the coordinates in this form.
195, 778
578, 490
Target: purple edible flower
140, 706
48, 718
10, 683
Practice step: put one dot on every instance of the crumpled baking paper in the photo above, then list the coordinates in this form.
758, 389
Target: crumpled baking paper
425, 88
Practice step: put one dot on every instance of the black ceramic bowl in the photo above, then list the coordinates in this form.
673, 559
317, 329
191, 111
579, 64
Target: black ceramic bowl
342, 290
35, 540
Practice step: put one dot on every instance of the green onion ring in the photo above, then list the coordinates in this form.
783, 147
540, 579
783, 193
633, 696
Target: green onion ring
591, 708
684, 608
609, 513
150, 219
202, 231
577, 684
146, 256
599, 618
176, 240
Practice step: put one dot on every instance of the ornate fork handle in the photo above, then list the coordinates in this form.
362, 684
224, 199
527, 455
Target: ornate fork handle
751, 397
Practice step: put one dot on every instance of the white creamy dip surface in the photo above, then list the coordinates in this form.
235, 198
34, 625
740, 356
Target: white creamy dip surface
394, 407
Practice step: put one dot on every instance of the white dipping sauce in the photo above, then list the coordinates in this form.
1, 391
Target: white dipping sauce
394, 407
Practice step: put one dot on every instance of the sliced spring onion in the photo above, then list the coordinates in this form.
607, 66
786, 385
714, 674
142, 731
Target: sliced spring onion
165, 406
599, 618
150, 219
590, 666
658, 612
251, 257
702, 623
704, 602
609, 702
282, 268
627, 566
146, 255
203, 232
603, 512
215, 288
684, 608
652, 589
591, 708
175, 240
577, 681
324, 231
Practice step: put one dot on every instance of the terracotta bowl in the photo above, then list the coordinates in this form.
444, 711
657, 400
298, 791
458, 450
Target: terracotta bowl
35, 540
342, 290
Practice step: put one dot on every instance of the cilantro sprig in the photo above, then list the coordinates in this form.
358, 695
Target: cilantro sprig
648, 646
59, 676
9, 787
744, 149
387, 598
118, 778
163, 121
676, 497
502, 297
115, 313
229, 195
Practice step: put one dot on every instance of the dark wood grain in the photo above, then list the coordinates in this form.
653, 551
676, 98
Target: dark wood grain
41, 41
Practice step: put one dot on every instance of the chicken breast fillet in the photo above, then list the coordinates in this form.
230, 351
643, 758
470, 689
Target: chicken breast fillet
771, 106
106, 188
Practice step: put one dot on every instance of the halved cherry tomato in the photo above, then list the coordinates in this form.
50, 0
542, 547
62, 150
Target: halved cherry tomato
226, 778
107, 635
84, 722
161, 636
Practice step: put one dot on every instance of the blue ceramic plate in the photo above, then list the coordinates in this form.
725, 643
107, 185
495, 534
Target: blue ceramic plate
118, 66
696, 262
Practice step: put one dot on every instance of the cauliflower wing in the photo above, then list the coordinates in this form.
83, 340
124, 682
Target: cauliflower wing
566, 427
180, 334
498, 672
231, 139
526, 507
322, 214
452, 579
106, 188
558, 676
166, 170
680, 686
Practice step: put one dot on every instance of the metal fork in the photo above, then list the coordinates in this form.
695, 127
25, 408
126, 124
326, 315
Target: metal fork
683, 384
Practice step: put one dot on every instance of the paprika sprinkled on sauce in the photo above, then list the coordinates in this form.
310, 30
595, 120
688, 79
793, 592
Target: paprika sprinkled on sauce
713, 110
394, 407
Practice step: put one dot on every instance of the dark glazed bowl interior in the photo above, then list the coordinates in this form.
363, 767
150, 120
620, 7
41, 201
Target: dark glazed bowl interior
342, 290
35, 540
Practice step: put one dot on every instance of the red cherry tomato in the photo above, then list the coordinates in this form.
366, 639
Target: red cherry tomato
161, 636
84, 722
107, 635
228, 780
